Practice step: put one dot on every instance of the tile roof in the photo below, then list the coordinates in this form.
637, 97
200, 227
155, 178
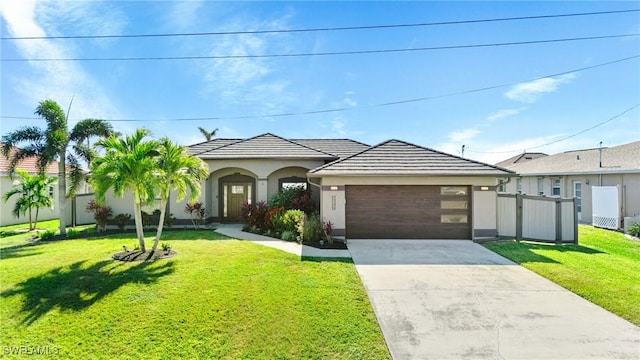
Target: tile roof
520, 158
395, 157
339, 147
210, 145
265, 146
622, 158
28, 164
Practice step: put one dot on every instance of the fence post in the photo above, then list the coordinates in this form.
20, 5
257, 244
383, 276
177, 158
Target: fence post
575, 221
518, 217
558, 222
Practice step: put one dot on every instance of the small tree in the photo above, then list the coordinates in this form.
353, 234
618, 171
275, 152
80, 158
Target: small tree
101, 213
34, 194
197, 212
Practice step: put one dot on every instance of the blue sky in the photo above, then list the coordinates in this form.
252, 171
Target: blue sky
492, 124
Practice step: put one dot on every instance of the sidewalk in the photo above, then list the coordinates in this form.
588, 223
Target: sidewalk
235, 231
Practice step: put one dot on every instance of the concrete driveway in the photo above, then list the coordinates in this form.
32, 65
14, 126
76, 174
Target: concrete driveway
452, 299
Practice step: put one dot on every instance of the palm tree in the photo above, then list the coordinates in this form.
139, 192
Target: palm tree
52, 144
208, 134
34, 191
128, 164
179, 171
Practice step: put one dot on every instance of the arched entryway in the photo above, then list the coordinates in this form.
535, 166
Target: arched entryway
235, 190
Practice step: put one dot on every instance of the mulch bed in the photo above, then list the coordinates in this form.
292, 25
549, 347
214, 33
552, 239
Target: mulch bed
138, 255
337, 245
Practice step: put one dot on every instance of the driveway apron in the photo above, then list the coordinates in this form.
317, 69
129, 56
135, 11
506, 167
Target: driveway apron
454, 299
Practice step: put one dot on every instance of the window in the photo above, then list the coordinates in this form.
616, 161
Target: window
501, 186
519, 185
453, 190
555, 187
453, 219
448, 204
540, 186
237, 189
51, 191
293, 181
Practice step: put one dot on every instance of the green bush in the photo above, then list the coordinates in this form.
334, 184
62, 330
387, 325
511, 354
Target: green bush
122, 220
73, 233
292, 220
47, 235
285, 196
634, 229
312, 229
101, 213
289, 235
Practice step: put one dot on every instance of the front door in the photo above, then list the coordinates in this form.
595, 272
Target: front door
577, 193
237, 195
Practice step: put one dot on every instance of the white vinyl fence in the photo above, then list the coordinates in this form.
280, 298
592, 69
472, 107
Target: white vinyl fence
539, 218
604, 200
77, 213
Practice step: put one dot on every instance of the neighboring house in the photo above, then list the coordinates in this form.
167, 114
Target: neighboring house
518, 159
6, 182
391, 190
574, 173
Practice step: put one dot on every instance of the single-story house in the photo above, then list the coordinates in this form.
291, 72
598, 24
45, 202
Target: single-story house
575, 173
391, 190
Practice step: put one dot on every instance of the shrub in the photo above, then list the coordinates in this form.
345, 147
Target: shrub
269, 216
122, 220
255, 215
289, 235
73, 233
166, 247
292, 221
285, 196
47, 235
168, 220
327, 228
197, 212
101, 213
311, 228
303, 202
277, 221
634, 229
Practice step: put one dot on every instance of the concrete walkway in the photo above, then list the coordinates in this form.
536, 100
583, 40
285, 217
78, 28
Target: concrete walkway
452, 299
235, 231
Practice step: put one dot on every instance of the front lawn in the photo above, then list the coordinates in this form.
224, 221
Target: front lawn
604, 268
216, 299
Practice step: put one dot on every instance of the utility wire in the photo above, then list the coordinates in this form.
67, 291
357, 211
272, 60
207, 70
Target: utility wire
278, 31
357, 52
563, 138
399, 102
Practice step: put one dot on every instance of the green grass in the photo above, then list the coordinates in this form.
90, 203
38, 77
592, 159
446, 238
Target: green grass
217, 299
604, 268
20, 230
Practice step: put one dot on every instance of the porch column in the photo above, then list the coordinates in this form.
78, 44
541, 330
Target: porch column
261, 190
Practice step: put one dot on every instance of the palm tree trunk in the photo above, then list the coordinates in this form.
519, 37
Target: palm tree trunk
62, 194
35, 223
31, 227
138, 219
163, 211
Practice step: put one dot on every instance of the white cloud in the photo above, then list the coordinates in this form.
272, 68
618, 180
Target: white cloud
504, 113
338, 127
463, 135
529, 92
350, 102
59, 81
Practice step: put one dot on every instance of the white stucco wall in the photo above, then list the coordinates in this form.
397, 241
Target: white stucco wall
6, 218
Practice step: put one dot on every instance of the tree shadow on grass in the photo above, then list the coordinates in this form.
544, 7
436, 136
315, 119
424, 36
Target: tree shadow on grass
78, 286
526, 251
22, 250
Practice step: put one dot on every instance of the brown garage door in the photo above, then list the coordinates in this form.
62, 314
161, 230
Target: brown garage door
408, 212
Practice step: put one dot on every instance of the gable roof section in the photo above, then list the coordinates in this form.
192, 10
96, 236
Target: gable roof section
265, 146
395, 157
622, 158
341, 148
520, 158
30, 165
